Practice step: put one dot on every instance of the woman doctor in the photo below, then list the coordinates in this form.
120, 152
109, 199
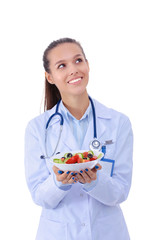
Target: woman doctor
77, 205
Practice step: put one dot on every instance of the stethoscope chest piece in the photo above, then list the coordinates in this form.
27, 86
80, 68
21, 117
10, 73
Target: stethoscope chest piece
95, 145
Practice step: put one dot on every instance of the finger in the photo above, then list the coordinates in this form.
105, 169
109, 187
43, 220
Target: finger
60, 175
97, 167
92, 174
55, 169
80, 178
69, 176
72, 180
85, 176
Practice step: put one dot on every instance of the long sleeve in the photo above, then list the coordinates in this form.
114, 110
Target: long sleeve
114, 190
39, 179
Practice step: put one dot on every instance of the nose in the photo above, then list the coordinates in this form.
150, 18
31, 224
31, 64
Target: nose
73, 70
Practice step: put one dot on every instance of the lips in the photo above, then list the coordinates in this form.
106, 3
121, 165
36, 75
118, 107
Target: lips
75, 80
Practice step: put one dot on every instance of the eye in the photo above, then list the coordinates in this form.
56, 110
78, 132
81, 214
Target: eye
61, 66
79, 60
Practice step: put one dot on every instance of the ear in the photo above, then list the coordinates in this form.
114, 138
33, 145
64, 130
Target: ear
49, 78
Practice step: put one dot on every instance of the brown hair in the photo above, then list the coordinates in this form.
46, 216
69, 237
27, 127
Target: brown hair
52, 94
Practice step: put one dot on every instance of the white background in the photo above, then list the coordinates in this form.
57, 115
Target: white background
122, 42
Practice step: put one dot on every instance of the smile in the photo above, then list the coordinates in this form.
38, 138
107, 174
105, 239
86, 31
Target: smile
75, 80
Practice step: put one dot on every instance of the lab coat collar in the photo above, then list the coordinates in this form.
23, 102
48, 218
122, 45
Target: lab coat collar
68, 115
102, 112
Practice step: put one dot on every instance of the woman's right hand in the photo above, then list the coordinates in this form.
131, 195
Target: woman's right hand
67, 177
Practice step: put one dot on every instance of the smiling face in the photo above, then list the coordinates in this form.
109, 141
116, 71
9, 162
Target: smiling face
69, 69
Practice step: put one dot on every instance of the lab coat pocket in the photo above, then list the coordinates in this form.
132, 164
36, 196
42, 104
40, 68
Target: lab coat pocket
113, 227
110, 149
49, 229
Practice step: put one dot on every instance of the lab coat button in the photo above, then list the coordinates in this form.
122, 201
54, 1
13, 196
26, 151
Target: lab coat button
81, 194
83, 224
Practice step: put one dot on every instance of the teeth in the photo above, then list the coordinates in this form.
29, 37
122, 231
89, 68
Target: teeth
75, 80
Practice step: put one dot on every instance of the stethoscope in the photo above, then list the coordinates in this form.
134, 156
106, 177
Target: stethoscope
93, 145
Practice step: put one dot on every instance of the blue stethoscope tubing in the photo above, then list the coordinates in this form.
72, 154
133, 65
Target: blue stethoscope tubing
62, 120
94, 144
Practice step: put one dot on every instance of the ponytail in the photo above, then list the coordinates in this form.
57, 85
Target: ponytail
52, 95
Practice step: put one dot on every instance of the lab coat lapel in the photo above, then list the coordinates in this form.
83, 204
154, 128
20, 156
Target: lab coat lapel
67, 137
88, 137
90, 132
101, 113
101, 128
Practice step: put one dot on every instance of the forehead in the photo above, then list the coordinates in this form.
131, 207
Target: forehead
64, 51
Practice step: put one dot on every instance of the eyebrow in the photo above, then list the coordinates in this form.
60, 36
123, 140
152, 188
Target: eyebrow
60, 61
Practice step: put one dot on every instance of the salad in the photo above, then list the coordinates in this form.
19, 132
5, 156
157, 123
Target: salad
70, 158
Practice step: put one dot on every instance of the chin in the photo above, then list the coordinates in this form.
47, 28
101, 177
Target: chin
80, 92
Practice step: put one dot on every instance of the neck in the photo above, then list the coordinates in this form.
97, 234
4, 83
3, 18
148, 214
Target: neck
77, 105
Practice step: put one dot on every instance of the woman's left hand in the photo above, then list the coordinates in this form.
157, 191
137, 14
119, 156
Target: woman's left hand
88, 175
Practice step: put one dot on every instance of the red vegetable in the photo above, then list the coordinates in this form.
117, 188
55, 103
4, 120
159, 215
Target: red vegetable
85, 154
85, 160
71, 160
93, 158
77, 159
63, 158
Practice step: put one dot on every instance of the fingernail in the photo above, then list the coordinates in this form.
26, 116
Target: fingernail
68, 172
75, 174
81, 171
86, 169
60, 172
73, 178
96, 167
72, 173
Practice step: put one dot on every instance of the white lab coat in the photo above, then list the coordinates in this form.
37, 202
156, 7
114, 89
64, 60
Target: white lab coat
78, 214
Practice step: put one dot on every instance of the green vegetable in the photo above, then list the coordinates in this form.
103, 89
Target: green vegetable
100, 155
90, 152
56, 160
80, 155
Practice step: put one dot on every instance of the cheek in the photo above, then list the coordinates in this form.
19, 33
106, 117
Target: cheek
86, 71
58, 79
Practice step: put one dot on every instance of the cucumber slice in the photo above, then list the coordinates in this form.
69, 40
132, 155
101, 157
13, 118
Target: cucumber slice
60, 161
91, 152
80, 155
100, 155
66, 160
65, 155
56, 160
